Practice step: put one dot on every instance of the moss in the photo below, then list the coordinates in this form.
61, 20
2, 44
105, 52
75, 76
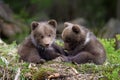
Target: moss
118, 36
59, 42
43, 73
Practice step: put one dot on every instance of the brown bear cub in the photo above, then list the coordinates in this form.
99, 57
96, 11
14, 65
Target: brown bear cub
39, 46
82, 46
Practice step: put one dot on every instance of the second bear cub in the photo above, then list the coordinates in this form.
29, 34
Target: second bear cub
82, 45
39, 46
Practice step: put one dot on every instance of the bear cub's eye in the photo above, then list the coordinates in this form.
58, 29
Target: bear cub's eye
49, 35
42, 36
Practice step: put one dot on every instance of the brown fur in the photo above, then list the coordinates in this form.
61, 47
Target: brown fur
82, 45
39, 46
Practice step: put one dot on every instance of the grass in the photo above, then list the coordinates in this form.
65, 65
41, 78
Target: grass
9, 64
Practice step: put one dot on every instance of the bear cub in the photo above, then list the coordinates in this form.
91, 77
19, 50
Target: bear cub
82, 46
39, 46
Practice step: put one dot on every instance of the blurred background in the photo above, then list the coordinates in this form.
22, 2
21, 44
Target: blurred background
100, 16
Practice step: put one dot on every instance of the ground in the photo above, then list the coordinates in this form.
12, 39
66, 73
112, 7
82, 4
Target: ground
12, 69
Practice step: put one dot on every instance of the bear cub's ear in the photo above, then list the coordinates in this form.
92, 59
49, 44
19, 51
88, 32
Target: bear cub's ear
34, 24
76, 28
52, 23
66, 24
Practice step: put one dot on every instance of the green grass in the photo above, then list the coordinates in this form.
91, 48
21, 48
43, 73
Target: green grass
9, 63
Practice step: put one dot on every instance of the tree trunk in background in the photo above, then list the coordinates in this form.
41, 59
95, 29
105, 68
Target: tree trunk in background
118, 9
72, 9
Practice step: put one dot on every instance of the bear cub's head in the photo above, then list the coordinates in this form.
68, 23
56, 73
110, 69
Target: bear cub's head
43, 33
73, 35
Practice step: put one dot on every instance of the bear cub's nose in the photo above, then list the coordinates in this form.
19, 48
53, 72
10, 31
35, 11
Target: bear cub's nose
46, 45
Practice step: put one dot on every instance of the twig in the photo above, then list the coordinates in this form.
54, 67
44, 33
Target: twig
4, 75
74, 70
55, 76
18, 74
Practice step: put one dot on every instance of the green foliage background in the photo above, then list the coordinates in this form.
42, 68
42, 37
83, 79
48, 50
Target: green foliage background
97, 12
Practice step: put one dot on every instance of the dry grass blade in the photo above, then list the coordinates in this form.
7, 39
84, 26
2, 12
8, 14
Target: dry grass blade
18, 74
